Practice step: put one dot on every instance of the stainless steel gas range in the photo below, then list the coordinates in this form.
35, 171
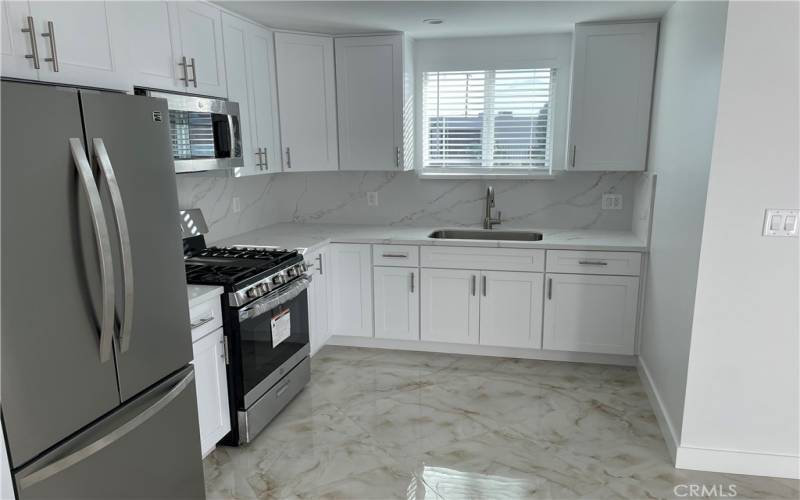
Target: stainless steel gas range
265, 320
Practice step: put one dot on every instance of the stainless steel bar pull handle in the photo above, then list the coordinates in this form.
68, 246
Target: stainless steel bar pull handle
288, 158
395, 255
121, 220
202, 321
103, 241
412, 282
473, 284
34, 48
260, 163
51, 34
483, 280
592, 263
266, 160
194, 72
574, 154
549, 288
319, 259
397, 157
185, 78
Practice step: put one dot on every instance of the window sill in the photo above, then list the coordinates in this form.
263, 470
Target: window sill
530, 176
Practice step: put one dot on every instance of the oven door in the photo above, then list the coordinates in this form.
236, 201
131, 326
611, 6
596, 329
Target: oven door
273, 337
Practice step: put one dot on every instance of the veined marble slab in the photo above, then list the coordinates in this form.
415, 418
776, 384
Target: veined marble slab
313, 236
197, 294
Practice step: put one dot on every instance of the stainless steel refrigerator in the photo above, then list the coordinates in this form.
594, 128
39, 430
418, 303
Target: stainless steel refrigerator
98, 396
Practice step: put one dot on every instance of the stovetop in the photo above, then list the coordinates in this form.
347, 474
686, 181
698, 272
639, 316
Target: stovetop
235, 267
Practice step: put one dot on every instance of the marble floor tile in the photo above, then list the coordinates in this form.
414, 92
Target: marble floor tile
382, 424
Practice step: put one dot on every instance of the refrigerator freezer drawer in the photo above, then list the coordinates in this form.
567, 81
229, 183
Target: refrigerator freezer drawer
148, 448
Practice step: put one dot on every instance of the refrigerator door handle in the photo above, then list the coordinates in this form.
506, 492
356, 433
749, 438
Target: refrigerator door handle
85, 452
124, 240
103, 246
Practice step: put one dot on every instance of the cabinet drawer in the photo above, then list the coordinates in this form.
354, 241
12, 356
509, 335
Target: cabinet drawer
587, 262
205, 318
395, 255
493, 259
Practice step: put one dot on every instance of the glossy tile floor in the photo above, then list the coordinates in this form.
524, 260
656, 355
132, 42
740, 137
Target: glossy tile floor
380, 424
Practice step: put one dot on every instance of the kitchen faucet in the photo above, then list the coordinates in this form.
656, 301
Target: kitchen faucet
488, 221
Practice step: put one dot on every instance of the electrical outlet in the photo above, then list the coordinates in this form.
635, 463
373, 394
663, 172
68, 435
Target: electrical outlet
236, 204
612, 201
372, 198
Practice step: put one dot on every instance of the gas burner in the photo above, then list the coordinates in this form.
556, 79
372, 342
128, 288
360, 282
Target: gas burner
239, 252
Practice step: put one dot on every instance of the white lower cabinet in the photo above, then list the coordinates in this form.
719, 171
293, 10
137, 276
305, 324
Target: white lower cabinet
319, 332
212, 389
350, 290
449, 305
589, 313
396, 292
511, 309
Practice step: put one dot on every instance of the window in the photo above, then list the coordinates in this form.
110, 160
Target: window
493, 121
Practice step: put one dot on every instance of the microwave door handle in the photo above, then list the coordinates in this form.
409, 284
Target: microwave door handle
232, 133
103, 241
124, 240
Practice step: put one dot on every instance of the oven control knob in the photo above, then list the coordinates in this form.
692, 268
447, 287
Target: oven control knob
264, 288
291, 272
277, 280
253, 292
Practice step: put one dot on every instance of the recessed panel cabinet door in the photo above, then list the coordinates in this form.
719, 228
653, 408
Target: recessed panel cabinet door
15, 45
80, 44
588, 313
369, 89
449, 305
149, 38
265, 97
350, 290
612, 87
201, 38
307, 102
396, 302
511, 309
212, 390
240, 89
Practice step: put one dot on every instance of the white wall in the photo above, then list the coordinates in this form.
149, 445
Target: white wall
684, 115
741, 412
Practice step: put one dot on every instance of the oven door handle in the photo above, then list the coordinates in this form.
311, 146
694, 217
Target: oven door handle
274, 299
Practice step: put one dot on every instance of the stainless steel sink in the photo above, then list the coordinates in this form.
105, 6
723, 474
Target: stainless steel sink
485, 234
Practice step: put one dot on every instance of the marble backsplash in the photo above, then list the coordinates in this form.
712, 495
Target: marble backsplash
569, 201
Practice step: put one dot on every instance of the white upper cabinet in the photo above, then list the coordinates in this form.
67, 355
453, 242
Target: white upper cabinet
18, 47
201, 39
265, 97
612, 84
350, 290
74, 44
396, 302
240, 89
149, 37
511, 309
591, 313
369, 86
449, 305
307, 102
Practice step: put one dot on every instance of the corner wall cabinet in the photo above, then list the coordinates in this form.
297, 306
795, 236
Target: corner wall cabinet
612, 86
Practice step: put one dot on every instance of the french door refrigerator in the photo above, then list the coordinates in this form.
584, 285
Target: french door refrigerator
98, 397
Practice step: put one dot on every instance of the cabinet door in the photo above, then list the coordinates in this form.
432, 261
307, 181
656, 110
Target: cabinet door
265, 97
201, 38
511, 309
590, 313
612, 85
82, 43
318, 301
350, 290
449, 305
239, 82
396, 292
369, 91
211, 384
149, 40
16, 45
307, 101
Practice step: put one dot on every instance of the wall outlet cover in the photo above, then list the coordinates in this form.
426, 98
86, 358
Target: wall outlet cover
372, 198
612, 201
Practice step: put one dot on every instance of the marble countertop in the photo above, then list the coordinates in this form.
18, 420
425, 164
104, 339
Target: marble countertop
314, 236
197, 294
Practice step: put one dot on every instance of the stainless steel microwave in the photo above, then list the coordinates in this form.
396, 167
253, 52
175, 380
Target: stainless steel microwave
205, 132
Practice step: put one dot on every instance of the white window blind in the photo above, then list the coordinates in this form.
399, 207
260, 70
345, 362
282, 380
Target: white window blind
498, 119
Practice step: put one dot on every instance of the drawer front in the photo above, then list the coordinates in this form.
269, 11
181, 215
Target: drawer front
588, 262
205, 318
491, 259
395, 255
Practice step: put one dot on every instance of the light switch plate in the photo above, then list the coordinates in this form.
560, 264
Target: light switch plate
781, 222
612, 201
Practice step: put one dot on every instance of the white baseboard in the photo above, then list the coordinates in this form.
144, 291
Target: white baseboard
738, 462
662, 416
482, 350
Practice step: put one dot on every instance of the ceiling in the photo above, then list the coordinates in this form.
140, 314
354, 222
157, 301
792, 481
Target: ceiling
461, 18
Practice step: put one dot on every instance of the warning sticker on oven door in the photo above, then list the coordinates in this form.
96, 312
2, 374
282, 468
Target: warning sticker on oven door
281, 327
